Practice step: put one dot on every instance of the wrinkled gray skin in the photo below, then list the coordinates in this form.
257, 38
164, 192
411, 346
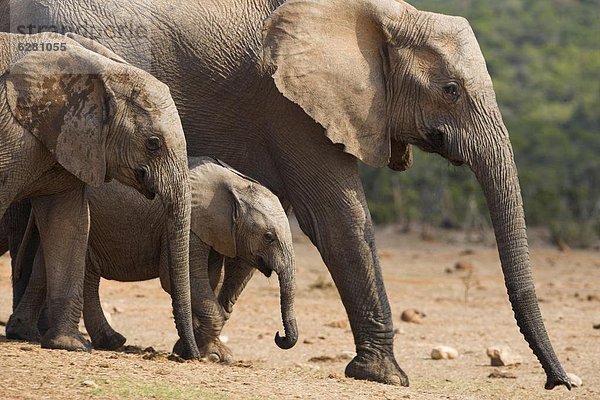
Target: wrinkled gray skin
81, 116
232, 216
326, 83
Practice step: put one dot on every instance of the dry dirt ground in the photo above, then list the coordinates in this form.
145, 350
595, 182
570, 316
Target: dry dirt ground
568, 285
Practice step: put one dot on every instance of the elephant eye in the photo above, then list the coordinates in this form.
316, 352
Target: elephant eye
269, 237
451, 89
153, 143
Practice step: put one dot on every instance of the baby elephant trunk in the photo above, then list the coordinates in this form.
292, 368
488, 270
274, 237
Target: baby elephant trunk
287, 287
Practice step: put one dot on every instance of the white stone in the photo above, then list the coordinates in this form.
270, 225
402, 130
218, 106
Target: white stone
501, 356
575, 380
444, 353
89, 383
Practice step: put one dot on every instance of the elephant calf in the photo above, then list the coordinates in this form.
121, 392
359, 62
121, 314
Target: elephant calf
232, 216
73, 114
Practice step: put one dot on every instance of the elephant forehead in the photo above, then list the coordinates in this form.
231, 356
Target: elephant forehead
456, 41
267, 208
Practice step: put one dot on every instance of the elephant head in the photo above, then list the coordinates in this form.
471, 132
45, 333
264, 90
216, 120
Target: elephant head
379, 76
240, 218
102, 118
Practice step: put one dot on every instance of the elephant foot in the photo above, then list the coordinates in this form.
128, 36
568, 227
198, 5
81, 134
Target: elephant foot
215, 351
378, 368
180, 350
72, 342
20, 329
108, 341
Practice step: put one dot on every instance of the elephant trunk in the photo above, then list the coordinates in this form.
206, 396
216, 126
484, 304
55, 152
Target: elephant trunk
287, 288
497, 174
177, 201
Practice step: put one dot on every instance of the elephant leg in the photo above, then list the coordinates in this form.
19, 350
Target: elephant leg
15, 224
23, 323
237, 276
102, 334
215, 269
63, 223
208, 314
324, 188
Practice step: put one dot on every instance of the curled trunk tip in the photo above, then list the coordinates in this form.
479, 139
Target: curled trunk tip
289, 340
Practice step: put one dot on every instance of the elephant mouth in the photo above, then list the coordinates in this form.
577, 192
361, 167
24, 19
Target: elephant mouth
261, 265
142, 175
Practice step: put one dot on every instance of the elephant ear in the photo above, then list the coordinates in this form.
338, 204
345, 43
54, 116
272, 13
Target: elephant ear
216, 206
96, 47
224, 238
61, 98
329, 57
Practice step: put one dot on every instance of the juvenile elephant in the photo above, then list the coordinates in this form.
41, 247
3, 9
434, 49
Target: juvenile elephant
232, 216
324, 83
73, 114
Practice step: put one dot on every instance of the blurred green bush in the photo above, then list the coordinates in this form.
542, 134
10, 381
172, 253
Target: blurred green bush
544, 59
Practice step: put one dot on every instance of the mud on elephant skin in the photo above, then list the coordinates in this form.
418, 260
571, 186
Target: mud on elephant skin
324, 83
77, 117
232, 216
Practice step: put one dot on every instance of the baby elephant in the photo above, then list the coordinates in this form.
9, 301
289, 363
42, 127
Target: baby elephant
232, 216
74, 114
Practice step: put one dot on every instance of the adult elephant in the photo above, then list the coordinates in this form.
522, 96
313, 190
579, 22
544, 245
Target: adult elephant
340, 80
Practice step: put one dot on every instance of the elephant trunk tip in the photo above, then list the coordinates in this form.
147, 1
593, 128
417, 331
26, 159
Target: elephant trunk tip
554, 380
286, 342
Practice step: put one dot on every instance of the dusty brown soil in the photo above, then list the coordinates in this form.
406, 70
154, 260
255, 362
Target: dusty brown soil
568, 285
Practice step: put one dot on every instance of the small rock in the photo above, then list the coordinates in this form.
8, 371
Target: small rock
104, 365
503, 356
575, 380
26, 348
444, 353
502, 375
347, 355
308, 341
117, 310
224, 338
412, 315
593, 297
597, 326
89, 383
